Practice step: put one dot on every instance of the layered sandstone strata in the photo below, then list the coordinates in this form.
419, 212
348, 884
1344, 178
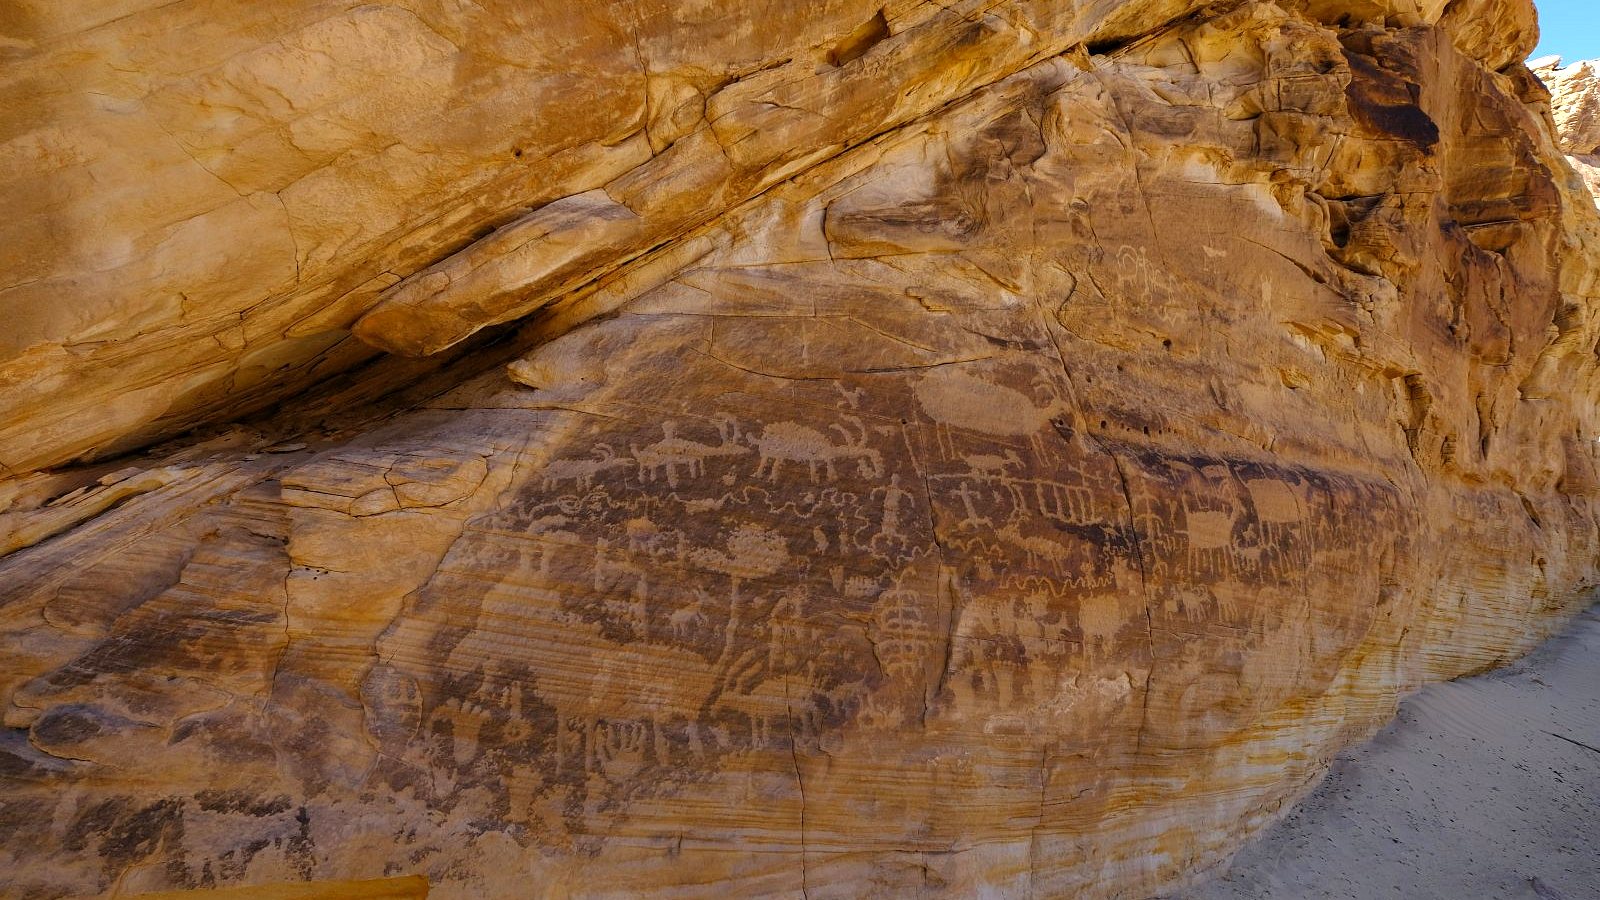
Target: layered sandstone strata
1575, 103
989, 447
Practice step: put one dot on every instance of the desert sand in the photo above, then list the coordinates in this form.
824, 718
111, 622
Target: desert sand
1485, 787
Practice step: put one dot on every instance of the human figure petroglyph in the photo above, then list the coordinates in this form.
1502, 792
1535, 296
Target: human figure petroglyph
1134, 275
617, 577
664, 458
889, 520
581, 471
998, 470
789, 638
753, 551
973, 520
782, 442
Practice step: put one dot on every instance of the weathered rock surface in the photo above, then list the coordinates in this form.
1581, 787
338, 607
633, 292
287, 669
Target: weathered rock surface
998, 447
204, 195
1480, 787
1575, 103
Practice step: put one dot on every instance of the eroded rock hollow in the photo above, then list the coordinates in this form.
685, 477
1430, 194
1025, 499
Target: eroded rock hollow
745, 449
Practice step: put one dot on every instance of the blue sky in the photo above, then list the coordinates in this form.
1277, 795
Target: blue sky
1570, 28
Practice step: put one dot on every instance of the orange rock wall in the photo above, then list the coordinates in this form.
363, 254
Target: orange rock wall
999, 449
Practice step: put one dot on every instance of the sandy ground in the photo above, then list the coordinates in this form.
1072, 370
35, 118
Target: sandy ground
1481, 789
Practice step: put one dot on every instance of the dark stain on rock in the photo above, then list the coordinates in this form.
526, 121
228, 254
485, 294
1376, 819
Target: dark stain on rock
133, 838
1386, 104
241, 803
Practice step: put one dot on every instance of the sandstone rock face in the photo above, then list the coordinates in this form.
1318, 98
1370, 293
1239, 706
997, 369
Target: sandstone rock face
204, 195
1575, 103
998, 448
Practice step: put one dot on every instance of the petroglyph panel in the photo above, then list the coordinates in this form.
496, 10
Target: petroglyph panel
1025, 501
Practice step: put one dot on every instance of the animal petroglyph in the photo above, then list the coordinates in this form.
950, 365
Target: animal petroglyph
990, 464
960, 399
791, 442
665, 457
579, 471
686, 622
1039, 550
1275, 501
1209, 529
625, 583
901, 489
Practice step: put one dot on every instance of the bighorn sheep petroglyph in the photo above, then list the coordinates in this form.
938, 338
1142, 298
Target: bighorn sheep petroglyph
782, 442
